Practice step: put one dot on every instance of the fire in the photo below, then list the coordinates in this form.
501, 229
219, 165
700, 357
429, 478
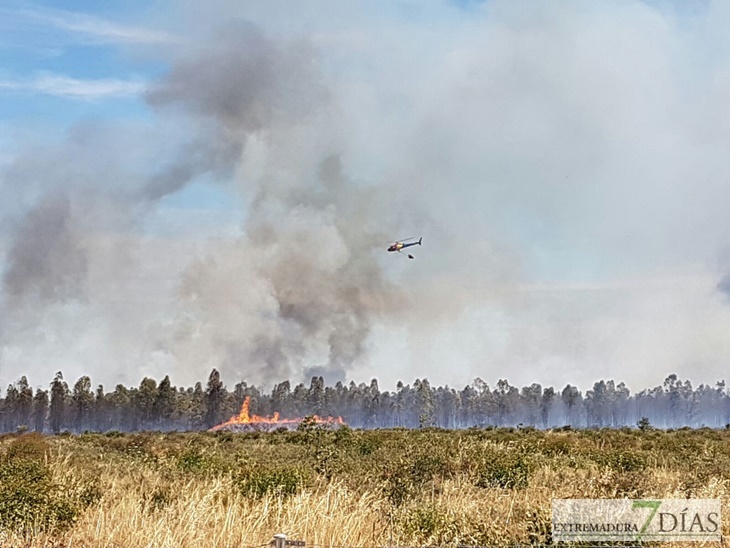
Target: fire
244, 420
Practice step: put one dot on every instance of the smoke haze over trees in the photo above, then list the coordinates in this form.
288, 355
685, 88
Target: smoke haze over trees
161, 406
218, 187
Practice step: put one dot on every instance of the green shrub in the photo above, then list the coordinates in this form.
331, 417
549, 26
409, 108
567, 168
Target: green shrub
158, 499
506, 470
408, 475
225, 437
30, 501
553, 446
427, 524
621, 461
344, 436
191, 461
207, 462
28, 446
328, 460
283, 481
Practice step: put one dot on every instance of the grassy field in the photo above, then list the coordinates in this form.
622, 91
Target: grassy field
354, 488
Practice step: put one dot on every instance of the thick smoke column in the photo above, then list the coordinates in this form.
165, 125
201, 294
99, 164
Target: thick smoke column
305, 281
299, 287
47, 262
319, 262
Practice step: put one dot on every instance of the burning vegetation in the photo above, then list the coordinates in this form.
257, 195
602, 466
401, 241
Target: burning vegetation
245, 422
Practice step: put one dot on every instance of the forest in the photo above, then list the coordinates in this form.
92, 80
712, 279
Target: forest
161, 406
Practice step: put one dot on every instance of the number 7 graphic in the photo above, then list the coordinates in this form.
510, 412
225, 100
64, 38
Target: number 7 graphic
654, 505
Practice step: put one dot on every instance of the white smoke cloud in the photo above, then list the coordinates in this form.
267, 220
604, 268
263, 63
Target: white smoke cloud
565, 165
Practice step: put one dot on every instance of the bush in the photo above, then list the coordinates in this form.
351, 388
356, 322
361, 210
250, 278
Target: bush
505, 470
30, 501
344, 436
407, 476
622, 461
158, 499
553, 446
28, 446
191, 461
257, 483
427, 524
208, 462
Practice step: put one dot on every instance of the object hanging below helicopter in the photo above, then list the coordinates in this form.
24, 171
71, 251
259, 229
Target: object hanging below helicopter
399, 244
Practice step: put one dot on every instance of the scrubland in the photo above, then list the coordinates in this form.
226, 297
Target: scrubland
343, 488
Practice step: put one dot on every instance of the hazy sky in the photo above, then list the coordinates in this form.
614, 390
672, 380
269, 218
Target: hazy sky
192, 185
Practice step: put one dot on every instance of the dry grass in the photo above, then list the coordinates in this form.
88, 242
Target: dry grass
205, 513
149, 499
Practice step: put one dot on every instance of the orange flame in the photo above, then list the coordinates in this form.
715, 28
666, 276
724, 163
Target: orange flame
245, 418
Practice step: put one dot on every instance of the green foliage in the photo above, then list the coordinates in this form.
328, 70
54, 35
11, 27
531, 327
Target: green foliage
210, 460
192, 461
555, 446
404, 478
367, 446
427, 524
621, 461
278, 481
328, 460
504, 469
226, 437
30, 500
133, 446
159, 498
29, 447
344, 436
643, 424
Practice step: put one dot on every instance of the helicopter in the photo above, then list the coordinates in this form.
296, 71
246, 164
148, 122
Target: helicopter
399, 244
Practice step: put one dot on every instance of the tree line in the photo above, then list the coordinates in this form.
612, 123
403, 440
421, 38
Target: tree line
162, 406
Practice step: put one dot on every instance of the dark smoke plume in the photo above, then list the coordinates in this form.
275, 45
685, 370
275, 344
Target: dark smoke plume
47, 261
241, 84
307, 245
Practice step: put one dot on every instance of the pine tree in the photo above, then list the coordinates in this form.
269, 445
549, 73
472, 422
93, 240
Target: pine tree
59, 390
10, 409
82, 400
100, 413
424, 402
144, 399
40, 410
214, 396
165, 402
25, 402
